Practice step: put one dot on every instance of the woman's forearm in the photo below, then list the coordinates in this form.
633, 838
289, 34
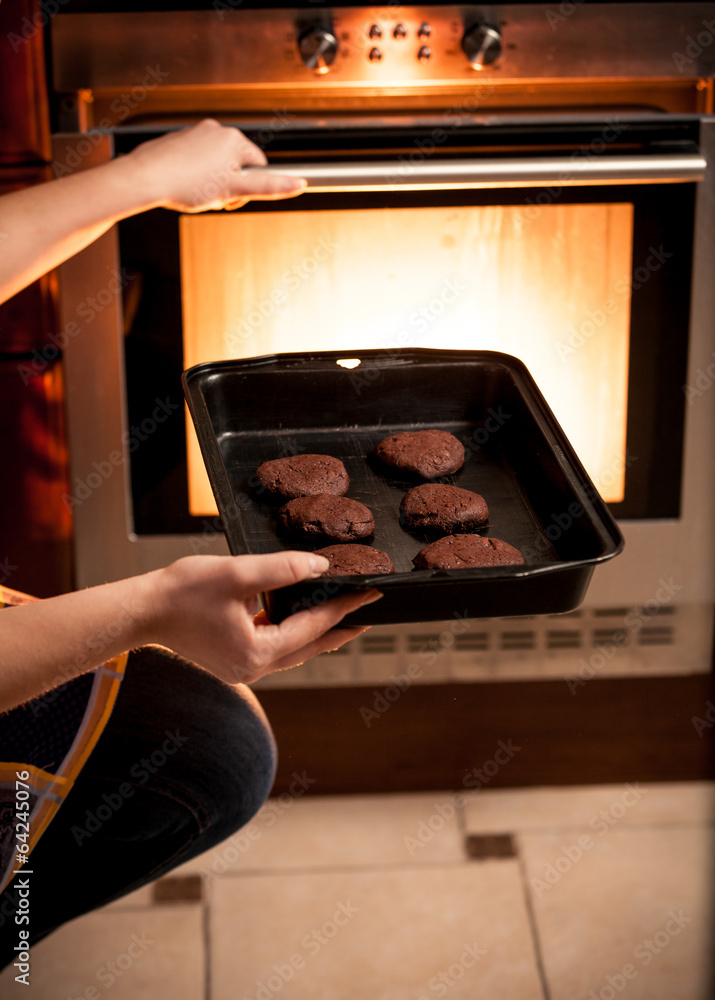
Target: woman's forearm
196, 168
44, 225
45, 643
203, 607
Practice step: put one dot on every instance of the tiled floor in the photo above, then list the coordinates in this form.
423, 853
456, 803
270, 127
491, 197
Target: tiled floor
595, 894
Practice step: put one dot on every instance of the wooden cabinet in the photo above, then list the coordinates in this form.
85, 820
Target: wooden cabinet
24, 117
35, 524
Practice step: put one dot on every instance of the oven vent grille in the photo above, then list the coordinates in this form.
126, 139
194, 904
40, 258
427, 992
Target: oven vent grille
564, 639
591, 642
417, 642
525, 639
374, 644
654, 635
602, 636
472, 641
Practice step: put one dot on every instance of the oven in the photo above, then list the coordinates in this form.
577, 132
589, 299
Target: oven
531, 179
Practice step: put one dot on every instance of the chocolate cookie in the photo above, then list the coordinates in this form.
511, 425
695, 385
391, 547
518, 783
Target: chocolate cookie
433, 507
462, 551
425, 453
348, 560
334, 517
304, 475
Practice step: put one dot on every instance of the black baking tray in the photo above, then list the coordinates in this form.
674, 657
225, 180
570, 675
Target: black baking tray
540, 497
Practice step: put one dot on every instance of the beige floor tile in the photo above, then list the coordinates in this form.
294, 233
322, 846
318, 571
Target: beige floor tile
589, 806
599, 899
340, 830
154, 955
386, 935
140, 899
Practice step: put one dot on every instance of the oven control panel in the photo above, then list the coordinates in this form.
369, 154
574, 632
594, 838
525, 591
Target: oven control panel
229, 60
410, 42
398, 41
356, 47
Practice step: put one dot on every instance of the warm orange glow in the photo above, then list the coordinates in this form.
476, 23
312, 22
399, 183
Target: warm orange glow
549, 284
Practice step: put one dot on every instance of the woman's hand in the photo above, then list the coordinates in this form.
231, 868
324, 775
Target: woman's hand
201, 167
204, 607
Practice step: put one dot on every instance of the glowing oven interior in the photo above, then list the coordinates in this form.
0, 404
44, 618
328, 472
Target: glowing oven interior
550, 285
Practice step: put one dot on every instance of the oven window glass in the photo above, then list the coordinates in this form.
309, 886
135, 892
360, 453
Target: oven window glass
550, 285
591, 291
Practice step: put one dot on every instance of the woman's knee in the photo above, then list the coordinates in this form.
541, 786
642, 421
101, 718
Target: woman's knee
226, 757
253, 756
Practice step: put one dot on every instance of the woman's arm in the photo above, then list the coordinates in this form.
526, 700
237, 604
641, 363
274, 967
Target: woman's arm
191, 170
203, 607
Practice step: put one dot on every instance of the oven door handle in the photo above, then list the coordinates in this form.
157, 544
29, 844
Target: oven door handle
564, 171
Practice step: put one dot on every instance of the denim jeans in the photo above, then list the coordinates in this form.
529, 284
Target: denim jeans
183, 762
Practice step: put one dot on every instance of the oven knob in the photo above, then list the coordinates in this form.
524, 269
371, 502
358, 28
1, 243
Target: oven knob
318, 49
482, 45
424, 53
